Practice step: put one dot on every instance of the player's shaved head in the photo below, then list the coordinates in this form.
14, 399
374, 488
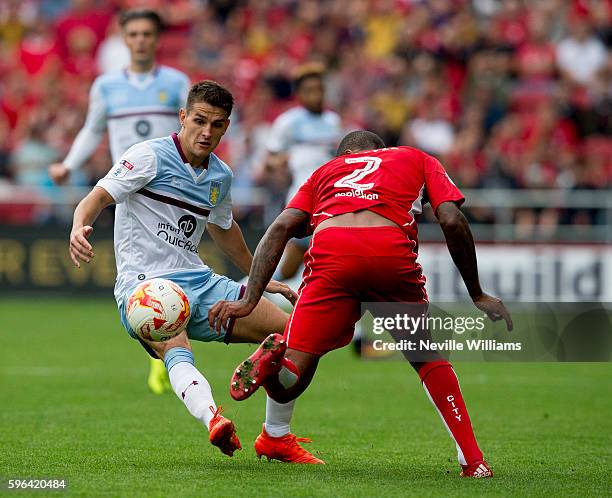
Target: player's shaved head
358, 140
212, 93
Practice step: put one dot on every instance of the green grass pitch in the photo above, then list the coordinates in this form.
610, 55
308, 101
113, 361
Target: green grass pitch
74, 405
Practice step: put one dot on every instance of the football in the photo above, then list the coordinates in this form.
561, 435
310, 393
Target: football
158, 310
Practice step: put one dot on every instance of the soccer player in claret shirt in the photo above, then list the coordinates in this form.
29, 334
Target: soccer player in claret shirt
360, 209
138, 103
168, 191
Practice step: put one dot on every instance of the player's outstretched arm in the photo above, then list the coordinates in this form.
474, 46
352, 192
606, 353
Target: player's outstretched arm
84, 216
460, 244
290, 223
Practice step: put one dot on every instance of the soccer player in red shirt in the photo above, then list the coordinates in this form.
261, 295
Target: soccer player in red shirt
360, 209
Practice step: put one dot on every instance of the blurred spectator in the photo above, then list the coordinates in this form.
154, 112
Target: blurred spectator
32, 155
38, 50
581, 54
15, 17
113, 54
81, 29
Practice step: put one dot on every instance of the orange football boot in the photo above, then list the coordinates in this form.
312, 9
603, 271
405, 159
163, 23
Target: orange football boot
223, 433
252, 372
477, 470
284, 448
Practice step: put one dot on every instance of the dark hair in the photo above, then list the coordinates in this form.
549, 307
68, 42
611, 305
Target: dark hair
306, 71
212, 93
151, 15
360, 140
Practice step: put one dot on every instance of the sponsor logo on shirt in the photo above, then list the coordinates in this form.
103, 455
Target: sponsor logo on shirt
179, 235
357, 193
215, 192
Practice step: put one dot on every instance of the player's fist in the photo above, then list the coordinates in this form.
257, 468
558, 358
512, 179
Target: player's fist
494, 308
59, 173
80, 249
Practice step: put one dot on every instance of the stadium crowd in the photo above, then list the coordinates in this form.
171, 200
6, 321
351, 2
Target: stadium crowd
507, 93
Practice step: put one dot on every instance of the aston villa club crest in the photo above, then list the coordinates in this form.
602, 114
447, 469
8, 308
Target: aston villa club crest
215, 192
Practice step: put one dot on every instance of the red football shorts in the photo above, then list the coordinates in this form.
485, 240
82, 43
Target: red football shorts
344, 267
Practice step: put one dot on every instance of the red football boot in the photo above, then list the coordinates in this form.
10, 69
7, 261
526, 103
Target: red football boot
252, 372
284, 448
477, 470
223, 433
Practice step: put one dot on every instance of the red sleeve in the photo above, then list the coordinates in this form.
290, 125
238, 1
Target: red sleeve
440, 188
303, 198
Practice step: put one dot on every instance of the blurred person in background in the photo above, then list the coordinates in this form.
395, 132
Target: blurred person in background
302, 139
113, 54
430, 130
580, 55
136, 104
15, 16
33, 153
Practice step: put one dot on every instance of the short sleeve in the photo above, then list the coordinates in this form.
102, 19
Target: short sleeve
280, 134
303, 199
221, 214
438, 185
135, 169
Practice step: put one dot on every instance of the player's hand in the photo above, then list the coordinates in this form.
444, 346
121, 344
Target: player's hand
287, 292
80, 248
494, 308
59, 173
223, 311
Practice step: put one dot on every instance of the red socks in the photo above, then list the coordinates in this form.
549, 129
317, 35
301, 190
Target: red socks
442, 387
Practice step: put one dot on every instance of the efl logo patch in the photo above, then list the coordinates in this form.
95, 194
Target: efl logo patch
122, 168
127, 164
215, 192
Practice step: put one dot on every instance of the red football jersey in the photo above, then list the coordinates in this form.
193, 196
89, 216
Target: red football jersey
392, 182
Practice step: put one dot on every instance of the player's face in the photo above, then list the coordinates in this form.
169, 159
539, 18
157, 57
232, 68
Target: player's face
141, 38
311, 94
202, 129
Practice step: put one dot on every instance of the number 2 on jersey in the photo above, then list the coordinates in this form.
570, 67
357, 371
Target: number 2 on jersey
351, 180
